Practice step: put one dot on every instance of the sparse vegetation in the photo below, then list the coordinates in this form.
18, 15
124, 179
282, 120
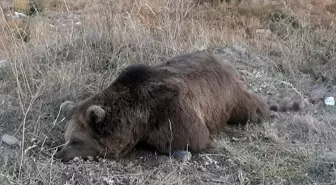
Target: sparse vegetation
75, 48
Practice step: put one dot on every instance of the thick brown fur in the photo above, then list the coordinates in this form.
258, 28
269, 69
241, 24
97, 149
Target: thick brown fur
176, 105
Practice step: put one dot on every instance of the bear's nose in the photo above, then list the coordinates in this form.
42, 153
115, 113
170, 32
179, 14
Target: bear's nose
59, 154
59, 149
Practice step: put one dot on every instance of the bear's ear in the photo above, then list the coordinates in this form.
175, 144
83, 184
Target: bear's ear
95, 114
67, 108
164, 92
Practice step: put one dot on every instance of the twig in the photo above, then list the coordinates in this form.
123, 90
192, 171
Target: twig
66, 6
23, 133
24, 126
56, 123
51, 165
171, 137
291, 85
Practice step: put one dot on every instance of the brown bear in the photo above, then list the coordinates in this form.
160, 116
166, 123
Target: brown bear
176, 105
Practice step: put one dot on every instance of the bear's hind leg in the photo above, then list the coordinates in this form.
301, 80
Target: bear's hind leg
187, 132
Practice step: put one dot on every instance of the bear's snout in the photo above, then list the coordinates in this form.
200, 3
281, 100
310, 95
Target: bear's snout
60, 155
66, 153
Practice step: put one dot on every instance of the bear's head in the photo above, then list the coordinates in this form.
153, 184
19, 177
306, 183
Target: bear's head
113, 121
78, 136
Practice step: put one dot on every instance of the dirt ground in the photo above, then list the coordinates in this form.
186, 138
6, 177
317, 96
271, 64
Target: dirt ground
78, 48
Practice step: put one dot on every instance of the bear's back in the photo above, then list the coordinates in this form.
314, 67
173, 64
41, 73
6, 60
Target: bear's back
208, 86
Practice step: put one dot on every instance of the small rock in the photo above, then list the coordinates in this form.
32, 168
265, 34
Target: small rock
239, 139
265, 32
182, 155
4, 69
4, 66
19, 15
10, 140
330, 101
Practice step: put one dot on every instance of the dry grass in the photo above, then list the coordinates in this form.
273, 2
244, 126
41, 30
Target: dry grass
77, 47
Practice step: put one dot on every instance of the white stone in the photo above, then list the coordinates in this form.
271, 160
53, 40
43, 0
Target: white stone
10, 140
265, 32
329, 101
18, 14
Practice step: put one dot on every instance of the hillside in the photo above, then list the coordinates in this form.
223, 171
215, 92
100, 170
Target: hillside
69, 50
